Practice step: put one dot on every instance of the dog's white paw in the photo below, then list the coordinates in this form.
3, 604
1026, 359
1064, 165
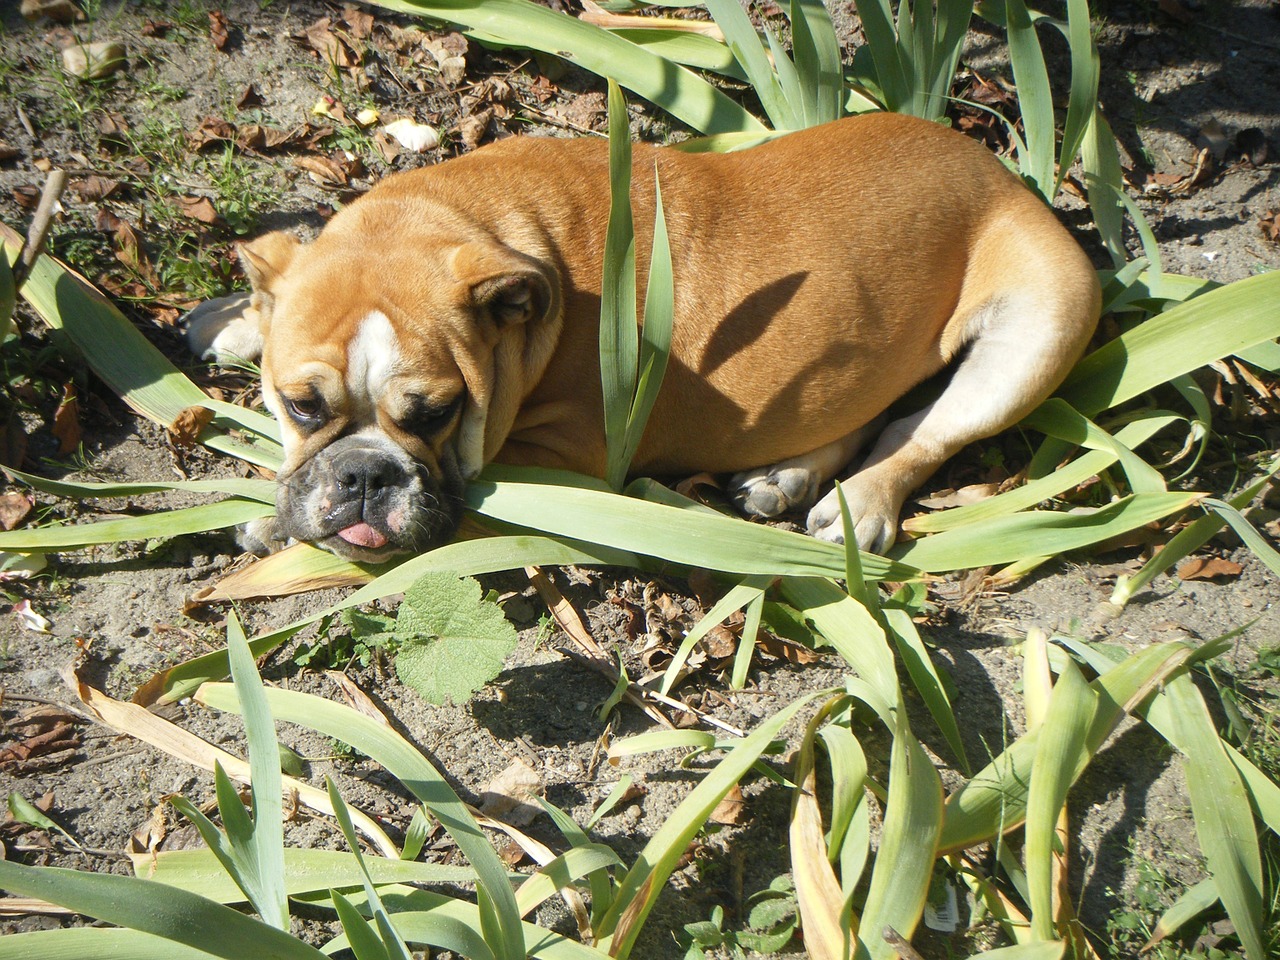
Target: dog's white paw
875, 518
772, 491
223, 329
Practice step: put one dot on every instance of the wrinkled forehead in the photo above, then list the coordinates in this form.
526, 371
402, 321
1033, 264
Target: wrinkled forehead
359, 352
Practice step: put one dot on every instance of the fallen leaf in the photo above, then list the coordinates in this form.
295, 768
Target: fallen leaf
21, 566
721, 642
359, 22
1270, 224
508, 796
186, 426
973, 493
473, 128
93, 61
732, 810
219, 29
1208, 568
323, 170
96, 187
321, 39
198, 208
785, 649
8, 152
26, 196
156, 28
14, 508
66, 421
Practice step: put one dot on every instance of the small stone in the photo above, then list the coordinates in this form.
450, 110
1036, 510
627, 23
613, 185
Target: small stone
92, 61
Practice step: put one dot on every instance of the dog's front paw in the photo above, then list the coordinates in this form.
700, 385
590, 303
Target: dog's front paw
224, 329
772, 491
261, 537
875, 517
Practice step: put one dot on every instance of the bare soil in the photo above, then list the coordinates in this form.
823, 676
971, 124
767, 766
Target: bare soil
122, 611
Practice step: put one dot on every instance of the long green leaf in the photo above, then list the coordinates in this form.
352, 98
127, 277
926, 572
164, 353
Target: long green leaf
994, 800
173, 523
1011, 538
915, 657
1035, 491
1082, 101
1035, 99
876, 17
682, 536
689, 49
908, 842
619, 351
1215, 324
655, 340
519, 23
158, 909
741, 37
306, 871
408, 765
100, 943
1220, 808
264, 852
1056, 418
264, 491
816, 51
1060, 755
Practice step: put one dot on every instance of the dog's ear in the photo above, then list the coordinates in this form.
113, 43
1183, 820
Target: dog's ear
509, 286
266, 258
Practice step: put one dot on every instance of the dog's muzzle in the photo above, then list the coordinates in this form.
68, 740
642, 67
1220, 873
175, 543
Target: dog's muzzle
364, 498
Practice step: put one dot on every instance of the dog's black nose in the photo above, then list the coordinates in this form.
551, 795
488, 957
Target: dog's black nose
366, 474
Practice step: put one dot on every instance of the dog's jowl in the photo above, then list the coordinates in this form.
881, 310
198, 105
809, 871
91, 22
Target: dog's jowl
450, 318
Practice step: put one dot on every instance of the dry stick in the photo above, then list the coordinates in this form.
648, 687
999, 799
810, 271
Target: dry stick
894, 939
40, 225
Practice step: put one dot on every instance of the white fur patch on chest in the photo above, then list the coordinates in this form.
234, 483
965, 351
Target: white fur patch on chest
373, 357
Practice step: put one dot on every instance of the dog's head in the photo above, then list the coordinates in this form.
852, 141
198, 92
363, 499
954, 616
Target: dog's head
395, 358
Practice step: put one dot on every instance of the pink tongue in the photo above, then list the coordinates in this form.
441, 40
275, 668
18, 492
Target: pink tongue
363, 535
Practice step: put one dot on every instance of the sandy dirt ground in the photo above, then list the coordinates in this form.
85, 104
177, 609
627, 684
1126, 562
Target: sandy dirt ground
1172, 86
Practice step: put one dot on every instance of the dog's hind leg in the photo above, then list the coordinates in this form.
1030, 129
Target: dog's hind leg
794, 484
1020, 346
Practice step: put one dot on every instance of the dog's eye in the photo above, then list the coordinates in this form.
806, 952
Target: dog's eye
424, 417
306, 409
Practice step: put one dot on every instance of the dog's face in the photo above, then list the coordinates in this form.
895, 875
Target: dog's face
395, 371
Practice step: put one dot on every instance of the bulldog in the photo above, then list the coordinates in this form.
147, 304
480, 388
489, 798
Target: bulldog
450, 316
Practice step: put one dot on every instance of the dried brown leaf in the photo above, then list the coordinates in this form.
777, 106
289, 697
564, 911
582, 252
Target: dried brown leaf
186, 426
198, 208
66, 420
1270, 224
96, 187
1208, 568
785, 649
14, 508
509, 795
732, 810
973, 493
249, 97
219, 29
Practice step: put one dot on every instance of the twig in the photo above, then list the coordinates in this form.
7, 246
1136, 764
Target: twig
40, 225
894, 939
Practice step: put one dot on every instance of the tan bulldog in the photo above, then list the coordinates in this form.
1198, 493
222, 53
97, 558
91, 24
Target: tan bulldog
450, 318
